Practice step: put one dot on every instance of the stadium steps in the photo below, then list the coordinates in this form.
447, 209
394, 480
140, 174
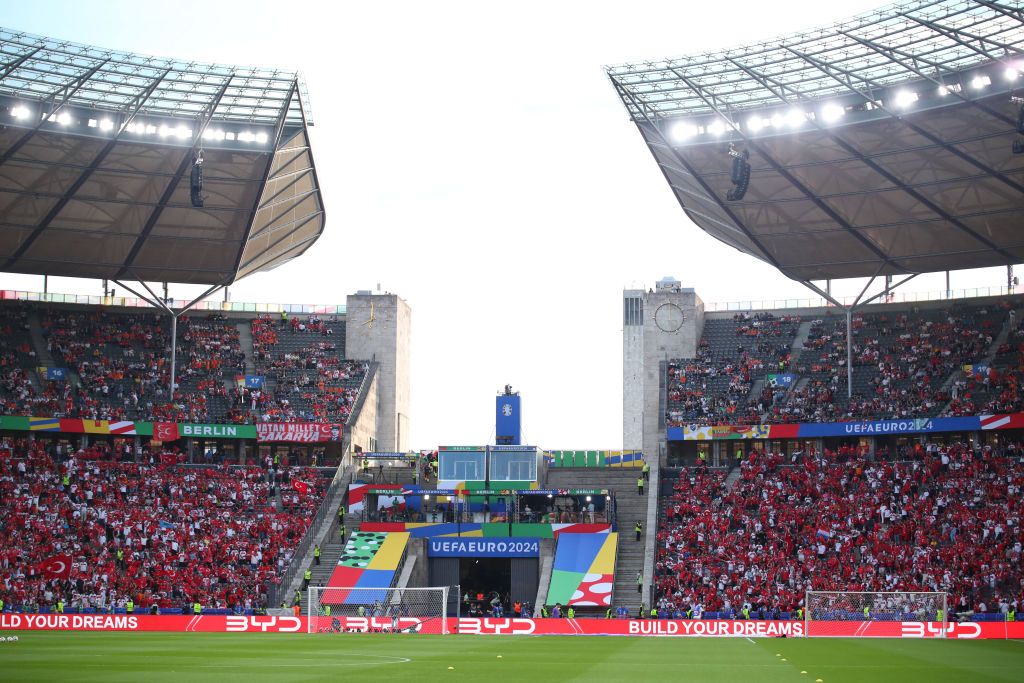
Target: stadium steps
329, 555
734, 476
802, 334
43, 357
631, 556
245, 341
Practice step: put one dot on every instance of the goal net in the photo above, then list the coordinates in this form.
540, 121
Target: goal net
872, 614
377, 610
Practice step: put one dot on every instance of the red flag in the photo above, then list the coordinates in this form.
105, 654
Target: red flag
300, 486
165, 431
56, 567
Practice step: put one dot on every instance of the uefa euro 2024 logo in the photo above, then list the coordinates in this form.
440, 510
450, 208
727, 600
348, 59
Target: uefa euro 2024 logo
506, 410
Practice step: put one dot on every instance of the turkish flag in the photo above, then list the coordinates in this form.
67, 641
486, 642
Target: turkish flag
300, 486
165, 431
56, 567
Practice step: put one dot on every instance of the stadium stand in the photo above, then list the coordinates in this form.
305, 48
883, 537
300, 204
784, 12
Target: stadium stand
907, 362
947, 519
119, 367
304, 361
214, 535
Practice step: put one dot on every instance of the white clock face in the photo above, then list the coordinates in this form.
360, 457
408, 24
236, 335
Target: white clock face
669, 317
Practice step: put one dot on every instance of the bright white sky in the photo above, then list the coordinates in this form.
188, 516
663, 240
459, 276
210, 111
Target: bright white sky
475, 160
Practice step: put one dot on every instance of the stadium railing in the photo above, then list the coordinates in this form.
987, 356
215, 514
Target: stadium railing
205, 305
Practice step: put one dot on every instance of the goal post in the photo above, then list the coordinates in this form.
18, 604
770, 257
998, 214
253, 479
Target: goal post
868, 614
332, 609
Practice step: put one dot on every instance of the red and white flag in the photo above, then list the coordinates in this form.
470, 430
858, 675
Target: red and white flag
300, 486
56, 567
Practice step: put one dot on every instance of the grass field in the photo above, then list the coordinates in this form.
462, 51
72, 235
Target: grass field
194, 657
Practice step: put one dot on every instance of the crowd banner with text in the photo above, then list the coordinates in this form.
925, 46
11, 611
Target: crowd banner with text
298, 432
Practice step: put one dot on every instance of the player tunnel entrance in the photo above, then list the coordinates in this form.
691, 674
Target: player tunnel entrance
489, 571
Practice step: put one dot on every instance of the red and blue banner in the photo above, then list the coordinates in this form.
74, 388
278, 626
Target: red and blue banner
925, 425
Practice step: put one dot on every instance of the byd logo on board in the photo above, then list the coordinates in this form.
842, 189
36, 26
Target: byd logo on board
916, 629
495, 626
263, 624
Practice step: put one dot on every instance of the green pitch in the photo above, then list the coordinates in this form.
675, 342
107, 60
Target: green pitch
196, 657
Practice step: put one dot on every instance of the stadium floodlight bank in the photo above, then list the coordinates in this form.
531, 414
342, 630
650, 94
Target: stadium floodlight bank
826, 611
382, 610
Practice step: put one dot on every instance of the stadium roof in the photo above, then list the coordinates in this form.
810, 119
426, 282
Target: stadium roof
880, 145
96, 152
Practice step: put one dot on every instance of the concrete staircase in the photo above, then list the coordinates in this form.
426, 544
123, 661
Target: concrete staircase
631, 554
43, 356
802, 333
734, 476
245, 341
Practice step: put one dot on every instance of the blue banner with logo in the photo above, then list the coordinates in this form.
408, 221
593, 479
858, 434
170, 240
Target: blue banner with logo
254, 381
54, 374
508, 422
882, 427
448, 546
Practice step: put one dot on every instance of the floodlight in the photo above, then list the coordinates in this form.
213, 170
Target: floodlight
63, 118
778, 120
905, 98
980, 82
795, 118
682, 131
832, 112
755, 124
1011, 73
106, 124
717, 127
20, 112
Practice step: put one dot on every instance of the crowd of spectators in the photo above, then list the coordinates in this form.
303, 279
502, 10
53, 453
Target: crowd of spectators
715, 387
305, 362
152, 531
906, 364
948, 519
118, 368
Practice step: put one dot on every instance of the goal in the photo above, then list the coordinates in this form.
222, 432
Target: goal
377, 610
874, 614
